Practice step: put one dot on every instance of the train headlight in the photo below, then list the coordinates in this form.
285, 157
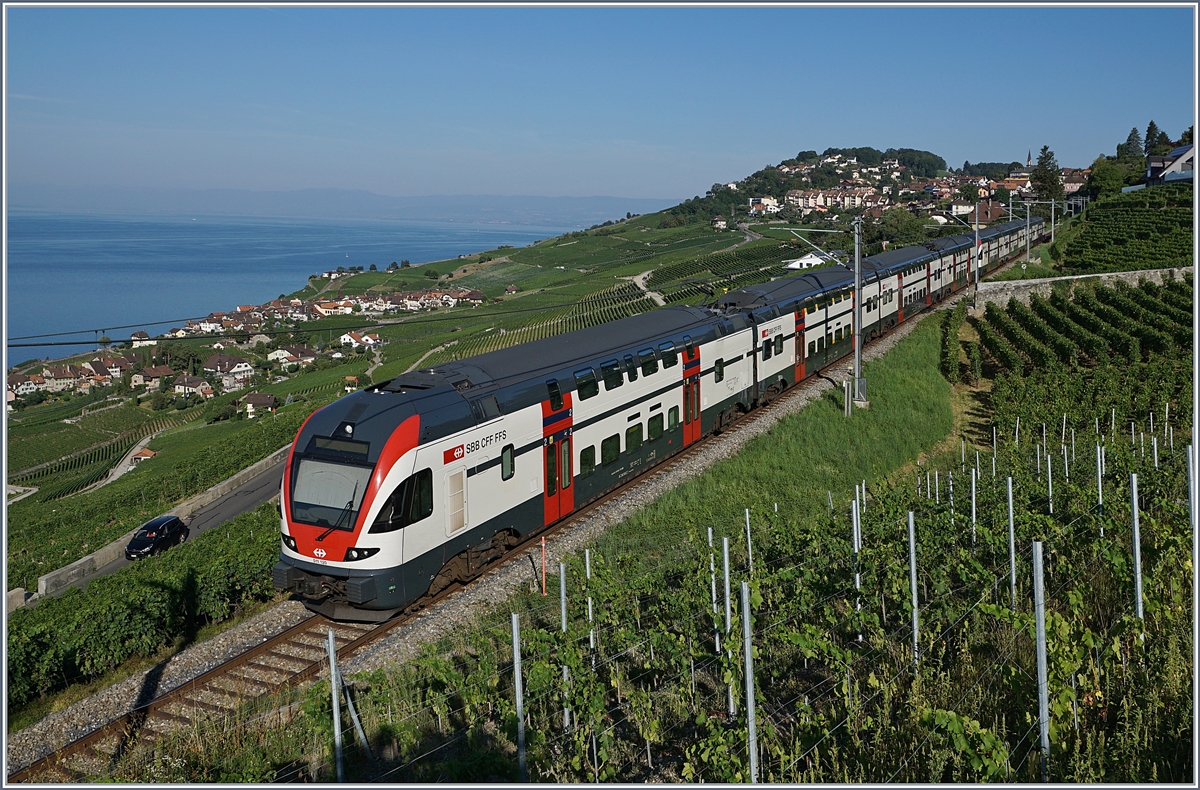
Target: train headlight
353, 554
290, 542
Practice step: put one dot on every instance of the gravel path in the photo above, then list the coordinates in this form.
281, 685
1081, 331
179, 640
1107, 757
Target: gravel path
461, 609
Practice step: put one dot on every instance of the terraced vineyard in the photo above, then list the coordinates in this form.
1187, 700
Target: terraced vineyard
1149, 228
1096, 326
76, 472
723, 264
619, 301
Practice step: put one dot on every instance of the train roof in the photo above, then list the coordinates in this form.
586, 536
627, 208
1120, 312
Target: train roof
787, 289
575, 348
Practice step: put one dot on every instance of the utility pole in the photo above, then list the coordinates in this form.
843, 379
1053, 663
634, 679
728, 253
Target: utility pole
860, 384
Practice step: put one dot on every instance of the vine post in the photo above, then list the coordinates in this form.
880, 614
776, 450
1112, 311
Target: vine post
856, 545
1137, 551
912, 578
1191, 475
1012, 549
1050, 483
728, 611
1100, 487
750, 723
516, 642
974, 479
337, 708
749, 548
1039, 613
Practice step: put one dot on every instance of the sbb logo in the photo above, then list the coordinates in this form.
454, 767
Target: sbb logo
453, 454
318, 552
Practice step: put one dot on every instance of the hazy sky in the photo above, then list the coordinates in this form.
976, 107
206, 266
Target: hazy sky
633, 102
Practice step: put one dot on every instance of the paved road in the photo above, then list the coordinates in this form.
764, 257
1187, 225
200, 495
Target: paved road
243, 499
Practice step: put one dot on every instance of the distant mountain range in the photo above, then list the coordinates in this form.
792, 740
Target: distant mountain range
334, 204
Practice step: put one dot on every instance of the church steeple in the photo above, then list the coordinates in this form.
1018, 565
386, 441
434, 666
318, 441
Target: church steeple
1029, 158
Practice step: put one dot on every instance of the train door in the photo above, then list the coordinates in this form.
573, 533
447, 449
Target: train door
558, 491
800, 372
691, 395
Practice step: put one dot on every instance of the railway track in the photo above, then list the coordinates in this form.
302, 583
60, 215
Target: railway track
298, 654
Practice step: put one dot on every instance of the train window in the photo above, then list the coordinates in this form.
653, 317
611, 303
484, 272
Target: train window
766, 349
556, 398
821, 343
610, 449
411, 502
667, 352
778, 344
631, 367
673, 418
585, 383
809, 309
633, 438
507, 464
587, 461
719, 370
566, 462
649, 363
486, 408
688, 346
654, 427
812, 347
611, 373
551, 468
837, 335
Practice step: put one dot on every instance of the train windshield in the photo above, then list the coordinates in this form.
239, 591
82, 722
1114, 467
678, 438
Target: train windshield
328, 494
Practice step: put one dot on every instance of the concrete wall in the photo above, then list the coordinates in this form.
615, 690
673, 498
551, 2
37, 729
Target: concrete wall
56, 582
1001, 291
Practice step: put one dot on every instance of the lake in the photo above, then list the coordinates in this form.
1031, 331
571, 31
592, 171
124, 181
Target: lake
84, 273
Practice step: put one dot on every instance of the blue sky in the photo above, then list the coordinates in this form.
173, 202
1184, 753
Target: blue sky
632, 102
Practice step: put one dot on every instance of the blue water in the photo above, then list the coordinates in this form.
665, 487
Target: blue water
83, 272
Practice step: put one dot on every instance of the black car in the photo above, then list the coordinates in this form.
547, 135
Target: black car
156, 535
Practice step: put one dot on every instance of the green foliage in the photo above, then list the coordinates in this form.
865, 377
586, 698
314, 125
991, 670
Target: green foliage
951, 324
159, 601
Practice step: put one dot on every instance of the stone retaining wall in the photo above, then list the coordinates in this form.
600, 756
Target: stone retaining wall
56, 582
1000, 291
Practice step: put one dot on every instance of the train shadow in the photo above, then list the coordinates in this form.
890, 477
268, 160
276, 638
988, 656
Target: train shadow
185, 601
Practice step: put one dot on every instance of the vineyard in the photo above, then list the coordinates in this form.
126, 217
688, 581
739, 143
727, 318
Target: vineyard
647, 680
1149, 228
620, 301
911, 659
721, 264
1097, 326
43, 535
47, 438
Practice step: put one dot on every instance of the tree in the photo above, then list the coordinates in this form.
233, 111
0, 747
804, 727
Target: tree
1152, 132
431, 274
374, 268
1002, 194
968, 192
1047, 177
1186, 137
1132, 147
1107, 177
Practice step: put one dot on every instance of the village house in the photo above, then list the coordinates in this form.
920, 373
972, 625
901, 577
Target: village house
227, 365
60, 377
140, 338
764, 205
189, 385
257, 403
719, 222
512, 289
150, 377
142, 455
359, 341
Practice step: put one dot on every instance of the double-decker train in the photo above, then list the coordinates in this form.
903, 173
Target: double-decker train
406, 486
